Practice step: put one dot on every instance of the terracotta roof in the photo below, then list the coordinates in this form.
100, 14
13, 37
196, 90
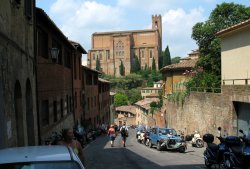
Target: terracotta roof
124, 32
103, 80
145, 103
131, 109
184, 64
234, 27
153, 95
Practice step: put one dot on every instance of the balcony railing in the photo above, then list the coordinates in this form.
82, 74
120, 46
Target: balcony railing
236, 81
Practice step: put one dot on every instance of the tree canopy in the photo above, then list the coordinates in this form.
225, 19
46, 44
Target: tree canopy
204, 33
120, 99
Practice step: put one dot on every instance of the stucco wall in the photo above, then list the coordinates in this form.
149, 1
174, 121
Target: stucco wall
235, 56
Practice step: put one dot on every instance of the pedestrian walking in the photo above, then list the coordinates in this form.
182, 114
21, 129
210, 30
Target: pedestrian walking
112, 135
68, 140
124, 134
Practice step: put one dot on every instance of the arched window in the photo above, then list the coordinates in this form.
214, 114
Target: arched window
119, 48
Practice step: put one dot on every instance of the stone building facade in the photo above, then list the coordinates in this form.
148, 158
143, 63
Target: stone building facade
77, 81
104, 101
18, 115
54, 77
112, 48
90, 96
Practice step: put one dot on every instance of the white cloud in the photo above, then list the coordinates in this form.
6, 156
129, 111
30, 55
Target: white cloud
80, 19
177, 30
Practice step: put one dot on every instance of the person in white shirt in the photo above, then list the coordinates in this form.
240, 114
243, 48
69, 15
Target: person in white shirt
124, 134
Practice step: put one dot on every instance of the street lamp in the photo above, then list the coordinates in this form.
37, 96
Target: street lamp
54, 54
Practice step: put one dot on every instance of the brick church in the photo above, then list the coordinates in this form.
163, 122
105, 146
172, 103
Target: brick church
113, 47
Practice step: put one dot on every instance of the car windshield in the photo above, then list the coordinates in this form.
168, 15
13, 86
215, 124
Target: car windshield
167, 131
41, 165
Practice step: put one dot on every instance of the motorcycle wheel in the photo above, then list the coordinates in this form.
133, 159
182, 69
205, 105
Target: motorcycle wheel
207, 164
199, 143
182, 149
227, 164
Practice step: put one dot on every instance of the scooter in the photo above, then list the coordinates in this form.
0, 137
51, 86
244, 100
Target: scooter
146, 138
239, 152
213, 155
140, 137
197, 140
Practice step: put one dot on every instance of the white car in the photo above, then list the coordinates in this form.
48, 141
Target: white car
39, 157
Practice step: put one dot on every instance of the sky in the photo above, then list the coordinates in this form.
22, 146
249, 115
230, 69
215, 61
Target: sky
79, 19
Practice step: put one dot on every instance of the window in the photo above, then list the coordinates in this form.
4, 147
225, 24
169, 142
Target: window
42, 43
88, 106
45, 112
119, 48
142, 53
55, 110
108, 54
28, 9
67, 58
93, 56
75, 67
80, 66
150, 53
89, 78
62, 108
56, 44
100, 55
75, 99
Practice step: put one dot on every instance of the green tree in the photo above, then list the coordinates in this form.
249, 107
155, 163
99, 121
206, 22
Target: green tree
136, 66
153, 64
153, 107
120, 99
122, 69
98, 64
175, 60
166, 58
134, 95
204, 33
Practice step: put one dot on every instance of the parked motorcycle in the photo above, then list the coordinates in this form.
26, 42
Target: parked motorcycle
80, 134
146, 138
239, 152
197, 140
214, 154
140, 137
53, 139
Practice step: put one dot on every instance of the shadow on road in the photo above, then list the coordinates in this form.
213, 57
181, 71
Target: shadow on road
101, 156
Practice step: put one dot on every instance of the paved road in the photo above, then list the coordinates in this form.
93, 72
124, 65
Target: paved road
100, 155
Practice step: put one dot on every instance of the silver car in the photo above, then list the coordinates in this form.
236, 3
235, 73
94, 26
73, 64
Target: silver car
39, 157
